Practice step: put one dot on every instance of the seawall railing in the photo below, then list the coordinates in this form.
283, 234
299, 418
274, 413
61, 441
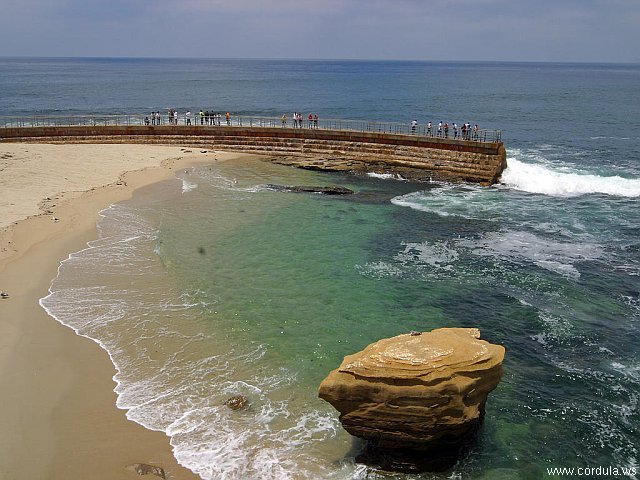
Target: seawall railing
218, 120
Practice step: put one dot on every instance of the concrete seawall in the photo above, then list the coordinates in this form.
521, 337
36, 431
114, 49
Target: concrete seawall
417, 157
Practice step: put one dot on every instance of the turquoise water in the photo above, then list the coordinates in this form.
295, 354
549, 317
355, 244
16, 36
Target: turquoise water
214, 285
226, 287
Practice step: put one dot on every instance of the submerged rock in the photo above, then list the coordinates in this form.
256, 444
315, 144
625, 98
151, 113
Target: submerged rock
146, 469
237, 402
328, 190
417, 399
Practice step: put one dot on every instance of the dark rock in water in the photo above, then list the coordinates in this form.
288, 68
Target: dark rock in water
416, 399
237, 402
436, 459
328, 190
4, 295
146, 469
373, 197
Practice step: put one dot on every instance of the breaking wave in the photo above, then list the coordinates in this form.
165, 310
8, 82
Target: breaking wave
542, 179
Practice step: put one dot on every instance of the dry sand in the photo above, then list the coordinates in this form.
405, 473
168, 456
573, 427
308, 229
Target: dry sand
58, 418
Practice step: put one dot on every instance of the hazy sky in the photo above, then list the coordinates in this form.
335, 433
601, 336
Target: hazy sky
534, 30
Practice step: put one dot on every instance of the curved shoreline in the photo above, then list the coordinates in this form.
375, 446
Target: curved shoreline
59, 413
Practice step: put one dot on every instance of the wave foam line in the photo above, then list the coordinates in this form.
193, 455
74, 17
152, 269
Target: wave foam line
540, 179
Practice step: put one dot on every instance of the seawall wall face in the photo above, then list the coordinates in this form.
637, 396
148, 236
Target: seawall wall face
417, 157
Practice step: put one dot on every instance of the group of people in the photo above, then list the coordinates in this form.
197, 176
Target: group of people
206, 118
155, 119
465, 131
298, 120
213, 118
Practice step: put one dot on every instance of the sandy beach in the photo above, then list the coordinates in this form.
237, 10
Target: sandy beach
58, 414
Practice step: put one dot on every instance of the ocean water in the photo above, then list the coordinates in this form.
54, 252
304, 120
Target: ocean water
213, 285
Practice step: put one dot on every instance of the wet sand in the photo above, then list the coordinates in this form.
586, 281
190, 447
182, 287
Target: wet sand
58, 413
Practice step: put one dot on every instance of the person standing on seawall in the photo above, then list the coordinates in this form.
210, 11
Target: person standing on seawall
284, 120
315, 121
228, 117
414, 125
455, 129
429, 133
446, 130
187, 117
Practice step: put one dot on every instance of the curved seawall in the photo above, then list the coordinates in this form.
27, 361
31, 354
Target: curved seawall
417, 157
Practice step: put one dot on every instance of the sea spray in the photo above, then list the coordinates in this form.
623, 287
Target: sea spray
541, 179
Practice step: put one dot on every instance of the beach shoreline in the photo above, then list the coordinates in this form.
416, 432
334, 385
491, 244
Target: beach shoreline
59, 413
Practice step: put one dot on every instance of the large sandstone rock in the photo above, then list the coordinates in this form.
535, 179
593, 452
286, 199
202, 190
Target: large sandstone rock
416, 398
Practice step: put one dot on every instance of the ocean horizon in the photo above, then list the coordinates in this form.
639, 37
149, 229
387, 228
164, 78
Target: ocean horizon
214, 284
302, 60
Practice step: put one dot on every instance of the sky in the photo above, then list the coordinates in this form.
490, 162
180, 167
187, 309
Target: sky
493, 30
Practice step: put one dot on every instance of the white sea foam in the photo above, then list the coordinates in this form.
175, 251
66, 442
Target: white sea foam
566, 270
437, 255
556, 327
214, 178
380, 270
543, 179
188, 185
611, 138
633, 302
422, 259
439, 258
630, 371
466, 201
412, 200
380, 175
386, 176
557, 257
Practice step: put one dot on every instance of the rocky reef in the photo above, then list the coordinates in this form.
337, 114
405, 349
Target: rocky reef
416, 399
328, 190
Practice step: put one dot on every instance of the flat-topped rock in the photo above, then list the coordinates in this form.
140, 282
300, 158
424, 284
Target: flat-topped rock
416, 395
